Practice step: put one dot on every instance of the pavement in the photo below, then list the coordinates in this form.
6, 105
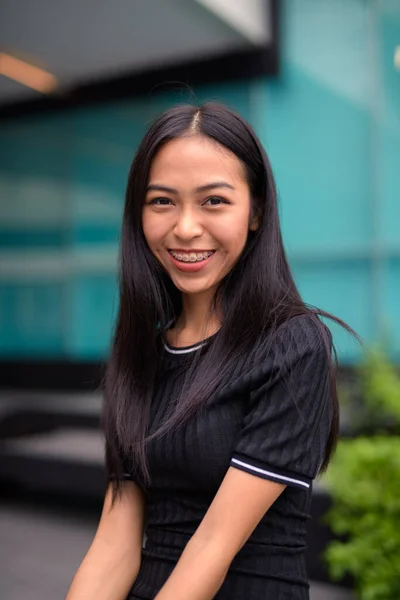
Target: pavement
42, 546
42, 542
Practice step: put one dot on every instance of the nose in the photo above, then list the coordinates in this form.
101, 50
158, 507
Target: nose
188, 225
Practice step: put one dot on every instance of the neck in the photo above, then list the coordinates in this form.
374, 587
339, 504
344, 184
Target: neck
196, 320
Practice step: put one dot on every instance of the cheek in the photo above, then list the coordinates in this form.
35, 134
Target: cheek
232, 235
153, 230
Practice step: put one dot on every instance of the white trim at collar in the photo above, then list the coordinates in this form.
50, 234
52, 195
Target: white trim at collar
183, 350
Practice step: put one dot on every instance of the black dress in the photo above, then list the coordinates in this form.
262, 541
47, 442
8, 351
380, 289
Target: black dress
271, 419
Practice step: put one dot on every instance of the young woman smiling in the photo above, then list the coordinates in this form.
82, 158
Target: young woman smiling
220, 397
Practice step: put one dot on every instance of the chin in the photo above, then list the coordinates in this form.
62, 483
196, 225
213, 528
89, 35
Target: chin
190, 290
194, 287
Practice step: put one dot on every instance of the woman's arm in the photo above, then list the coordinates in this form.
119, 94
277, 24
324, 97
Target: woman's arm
112, 563
240, 503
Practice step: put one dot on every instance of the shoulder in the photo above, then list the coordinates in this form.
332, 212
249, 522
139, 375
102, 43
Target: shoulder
306, 331
299, 338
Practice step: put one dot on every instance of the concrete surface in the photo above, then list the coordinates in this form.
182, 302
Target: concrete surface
41, 547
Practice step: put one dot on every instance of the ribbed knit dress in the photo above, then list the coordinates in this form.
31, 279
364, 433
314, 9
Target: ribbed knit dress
272, 419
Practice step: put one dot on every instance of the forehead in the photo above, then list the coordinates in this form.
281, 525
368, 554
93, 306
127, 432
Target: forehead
196, 157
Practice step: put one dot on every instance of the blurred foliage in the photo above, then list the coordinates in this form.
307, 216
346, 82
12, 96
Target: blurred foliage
380, 384
371, 404
364, 482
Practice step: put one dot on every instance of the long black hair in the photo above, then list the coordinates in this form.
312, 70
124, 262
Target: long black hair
258, 295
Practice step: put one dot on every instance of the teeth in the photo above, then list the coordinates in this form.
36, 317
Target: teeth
192, 256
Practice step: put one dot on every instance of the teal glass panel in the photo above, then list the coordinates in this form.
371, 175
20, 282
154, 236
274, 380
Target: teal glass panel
390, 321
341, 288
31, 319
93, 302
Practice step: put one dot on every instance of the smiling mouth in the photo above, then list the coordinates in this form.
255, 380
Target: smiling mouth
191, 256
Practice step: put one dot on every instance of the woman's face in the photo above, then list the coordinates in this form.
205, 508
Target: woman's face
196, 212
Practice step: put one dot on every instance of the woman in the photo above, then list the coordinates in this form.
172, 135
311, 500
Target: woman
220, 401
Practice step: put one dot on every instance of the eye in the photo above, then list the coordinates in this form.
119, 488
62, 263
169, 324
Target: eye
216, 201
160, 201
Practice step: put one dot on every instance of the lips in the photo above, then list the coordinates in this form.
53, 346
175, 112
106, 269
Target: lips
191, 256
189, 250
191, 262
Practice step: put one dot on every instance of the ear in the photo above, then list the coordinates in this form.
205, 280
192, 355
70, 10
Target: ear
254, 220
254, 224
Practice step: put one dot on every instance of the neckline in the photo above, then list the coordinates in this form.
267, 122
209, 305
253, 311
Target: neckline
183, 349
187, 349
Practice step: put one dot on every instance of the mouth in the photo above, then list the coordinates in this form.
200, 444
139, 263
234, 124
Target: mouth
191, 257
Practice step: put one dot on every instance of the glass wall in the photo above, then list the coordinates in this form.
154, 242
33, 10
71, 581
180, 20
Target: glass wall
331, 125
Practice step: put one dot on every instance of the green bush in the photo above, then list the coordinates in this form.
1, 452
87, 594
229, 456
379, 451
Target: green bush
364, 482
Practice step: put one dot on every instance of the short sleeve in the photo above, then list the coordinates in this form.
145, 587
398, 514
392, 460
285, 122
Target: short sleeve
286, 428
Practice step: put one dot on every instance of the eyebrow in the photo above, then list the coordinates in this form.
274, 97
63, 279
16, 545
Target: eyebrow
201, 188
